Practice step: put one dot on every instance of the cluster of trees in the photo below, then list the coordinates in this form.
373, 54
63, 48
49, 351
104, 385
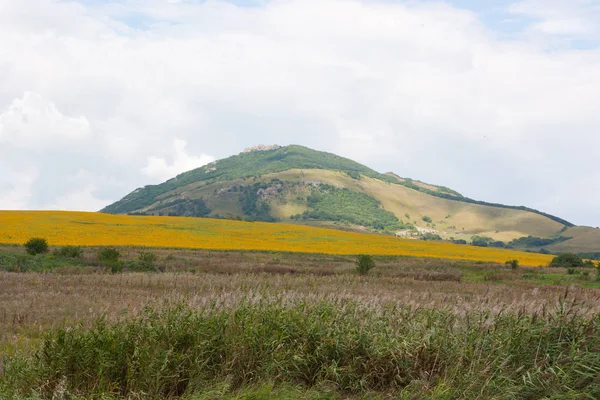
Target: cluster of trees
253, 207
328, 203
532, 241
571, 260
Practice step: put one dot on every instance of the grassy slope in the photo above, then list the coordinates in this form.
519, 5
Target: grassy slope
474, 218
585, 239
244, 165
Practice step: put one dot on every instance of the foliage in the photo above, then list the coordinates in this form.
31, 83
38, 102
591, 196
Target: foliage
364, 263
481, 241
69, 252
36, 246
147, 261
328, 203
426, 219
430, 236
253, 206
181, 208
567, 260
532, 241
514, 264
182, 351
109, 255
15, 262
590, 256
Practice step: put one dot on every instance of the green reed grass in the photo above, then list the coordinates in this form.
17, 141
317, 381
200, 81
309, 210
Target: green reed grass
348, 348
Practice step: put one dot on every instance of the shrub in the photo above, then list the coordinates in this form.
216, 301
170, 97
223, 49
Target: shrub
364, 263
146, 262
147, 258
514, 264
69, 252
431, 236
36, 246
426, 218
567, 260
481, 241
109, 255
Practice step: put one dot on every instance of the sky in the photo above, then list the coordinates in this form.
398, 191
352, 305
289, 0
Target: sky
497, 99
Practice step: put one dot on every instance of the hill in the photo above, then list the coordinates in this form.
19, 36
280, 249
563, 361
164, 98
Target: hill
299, 185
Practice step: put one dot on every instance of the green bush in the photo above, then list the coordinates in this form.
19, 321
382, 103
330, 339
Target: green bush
69, 252
36, 246
109, 255
481, 241
426, 218
430, 236
364, 263
567, 260
147, 258
146, 263
514, 264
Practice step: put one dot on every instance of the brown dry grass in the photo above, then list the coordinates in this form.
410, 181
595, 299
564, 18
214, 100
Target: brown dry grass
32, 303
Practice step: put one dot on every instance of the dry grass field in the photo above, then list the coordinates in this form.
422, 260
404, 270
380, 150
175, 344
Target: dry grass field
454, 309
211, 322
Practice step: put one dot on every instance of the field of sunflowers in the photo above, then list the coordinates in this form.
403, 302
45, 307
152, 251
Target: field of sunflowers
96, 229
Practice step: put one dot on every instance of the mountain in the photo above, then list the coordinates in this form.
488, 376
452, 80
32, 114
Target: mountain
300, 185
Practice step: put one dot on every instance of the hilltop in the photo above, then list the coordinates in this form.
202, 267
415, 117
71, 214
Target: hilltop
299, 185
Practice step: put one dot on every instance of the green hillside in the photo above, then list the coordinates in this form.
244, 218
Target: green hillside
300, 185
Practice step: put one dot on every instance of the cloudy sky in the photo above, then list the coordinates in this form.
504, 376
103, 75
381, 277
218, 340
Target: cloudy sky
498, 99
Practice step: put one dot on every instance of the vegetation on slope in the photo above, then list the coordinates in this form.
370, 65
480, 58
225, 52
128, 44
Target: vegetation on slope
328, 203
246, 165
258, 163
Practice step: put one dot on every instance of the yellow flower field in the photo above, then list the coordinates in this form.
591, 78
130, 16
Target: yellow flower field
95, 229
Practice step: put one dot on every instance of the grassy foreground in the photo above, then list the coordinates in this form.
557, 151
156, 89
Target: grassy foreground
335, 347
95, 229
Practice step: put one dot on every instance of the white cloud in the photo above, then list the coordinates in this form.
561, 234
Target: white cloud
420, 88
15, 187
78, 200
158, 169
573, 18
33, 122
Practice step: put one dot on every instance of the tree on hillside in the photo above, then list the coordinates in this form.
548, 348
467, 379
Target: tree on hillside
567, 260
481, 241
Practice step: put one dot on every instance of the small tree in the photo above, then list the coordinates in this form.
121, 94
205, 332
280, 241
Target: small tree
514, 264
109, 255
364, 263
147, 261
567, 260
69, 252
481, 241
36, 246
